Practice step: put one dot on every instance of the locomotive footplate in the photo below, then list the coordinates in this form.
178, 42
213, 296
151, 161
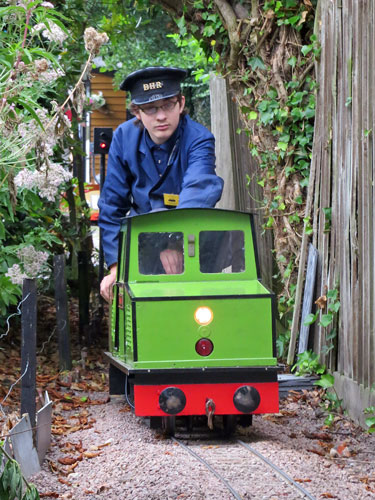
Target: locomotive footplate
235, 390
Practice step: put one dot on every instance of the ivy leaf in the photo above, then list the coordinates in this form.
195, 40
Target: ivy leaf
257, 62
306, 49
292, 61
326, 319
282, 145
326, 381
335, 307
309, 319
370, 422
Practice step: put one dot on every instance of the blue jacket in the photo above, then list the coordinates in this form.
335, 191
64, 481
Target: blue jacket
134, 186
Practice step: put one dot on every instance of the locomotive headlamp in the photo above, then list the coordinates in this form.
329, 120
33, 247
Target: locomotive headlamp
203, 315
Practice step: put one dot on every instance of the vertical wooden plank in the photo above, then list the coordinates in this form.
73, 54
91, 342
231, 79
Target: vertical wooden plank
221, 130
364, 199
356, 137
62, 312
308, 298
371, 99
28, 348
324, 194
345, 282
331, 278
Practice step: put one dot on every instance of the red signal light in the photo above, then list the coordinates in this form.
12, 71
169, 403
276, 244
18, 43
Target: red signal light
204, 347
103, 145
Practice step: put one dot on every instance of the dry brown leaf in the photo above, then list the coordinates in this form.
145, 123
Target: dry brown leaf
67, 460
321, 301
49, 494
70, 469
64, 481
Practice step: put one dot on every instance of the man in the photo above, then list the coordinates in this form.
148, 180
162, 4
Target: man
160, 159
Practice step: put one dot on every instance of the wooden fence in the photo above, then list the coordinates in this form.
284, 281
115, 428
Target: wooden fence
341, 193
238, 169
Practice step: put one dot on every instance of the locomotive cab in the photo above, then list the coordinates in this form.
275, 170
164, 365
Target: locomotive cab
196, 337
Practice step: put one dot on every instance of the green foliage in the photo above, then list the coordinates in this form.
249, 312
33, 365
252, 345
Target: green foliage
331, 402
282, 343
11, 483
308, 364
370, 421
327, 319
145, 33
37, 140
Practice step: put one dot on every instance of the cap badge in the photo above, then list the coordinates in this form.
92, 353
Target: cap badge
152, 86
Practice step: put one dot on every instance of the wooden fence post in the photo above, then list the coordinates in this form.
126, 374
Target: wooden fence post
84, 297
28, 349
62, 313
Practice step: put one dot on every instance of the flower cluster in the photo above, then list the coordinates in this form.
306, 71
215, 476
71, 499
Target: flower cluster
47, 179
52, 32
94, 101
45, 140
44, 73
94, 40
32, 265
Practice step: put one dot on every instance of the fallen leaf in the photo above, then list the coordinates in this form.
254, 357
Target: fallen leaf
49, 494
328, 495
341, 447
93, 454
303, 480
67, 460
71, 468
64, 481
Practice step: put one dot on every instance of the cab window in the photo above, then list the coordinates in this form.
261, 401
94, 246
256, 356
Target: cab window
221, 251
150, 249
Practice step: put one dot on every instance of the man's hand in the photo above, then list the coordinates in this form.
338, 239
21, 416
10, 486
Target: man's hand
172, 261
106, 286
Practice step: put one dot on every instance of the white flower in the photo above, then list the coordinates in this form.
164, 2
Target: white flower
16, 275
33, 263
47, 180
52, 32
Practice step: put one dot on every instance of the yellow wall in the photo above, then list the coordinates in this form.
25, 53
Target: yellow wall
113, 113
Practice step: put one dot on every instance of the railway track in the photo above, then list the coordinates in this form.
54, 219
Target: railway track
238, 472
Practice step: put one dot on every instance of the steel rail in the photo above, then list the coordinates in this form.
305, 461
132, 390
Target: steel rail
211, 469
279, 471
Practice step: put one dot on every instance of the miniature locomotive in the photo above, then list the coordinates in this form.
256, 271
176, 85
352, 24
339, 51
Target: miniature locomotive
200, 341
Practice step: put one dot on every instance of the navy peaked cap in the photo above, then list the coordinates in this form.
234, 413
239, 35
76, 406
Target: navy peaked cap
154, 83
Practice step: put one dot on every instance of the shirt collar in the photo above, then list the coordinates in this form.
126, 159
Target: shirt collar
167, 145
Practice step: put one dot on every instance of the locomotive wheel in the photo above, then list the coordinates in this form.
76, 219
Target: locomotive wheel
245, 420
169, 425
155, 422
229, 424
189, 423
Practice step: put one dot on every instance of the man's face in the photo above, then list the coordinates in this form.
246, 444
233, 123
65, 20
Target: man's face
161, 118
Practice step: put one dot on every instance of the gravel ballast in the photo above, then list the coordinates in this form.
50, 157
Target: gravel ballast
118, 457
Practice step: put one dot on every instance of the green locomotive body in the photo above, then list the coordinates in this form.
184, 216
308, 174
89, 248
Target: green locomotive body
205, 333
